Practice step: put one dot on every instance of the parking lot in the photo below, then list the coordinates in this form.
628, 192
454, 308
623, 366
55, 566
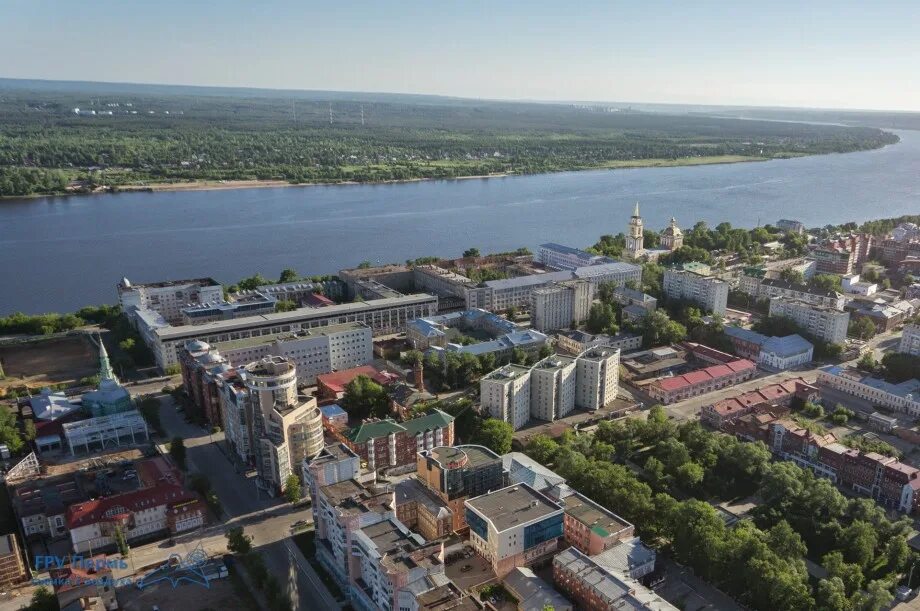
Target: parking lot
470, 572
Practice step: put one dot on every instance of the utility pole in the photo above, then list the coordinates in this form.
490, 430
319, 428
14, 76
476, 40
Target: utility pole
362, 115
330, 113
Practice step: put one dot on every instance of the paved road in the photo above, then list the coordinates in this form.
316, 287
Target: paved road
267, 520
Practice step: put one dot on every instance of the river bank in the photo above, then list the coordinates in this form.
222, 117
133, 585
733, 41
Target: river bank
222, 185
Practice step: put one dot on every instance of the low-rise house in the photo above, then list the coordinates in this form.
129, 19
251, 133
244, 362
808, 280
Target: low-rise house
331, 386
532, 593
766, 398
701, 381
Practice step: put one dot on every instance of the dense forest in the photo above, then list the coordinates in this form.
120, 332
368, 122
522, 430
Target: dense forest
136, 135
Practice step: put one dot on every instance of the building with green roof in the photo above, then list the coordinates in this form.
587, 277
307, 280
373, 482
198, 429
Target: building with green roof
387, 444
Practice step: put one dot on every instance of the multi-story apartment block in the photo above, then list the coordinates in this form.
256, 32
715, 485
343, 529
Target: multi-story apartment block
283, 427
562, 257
514, 526
314, 351
167, 298
336, 463
790, 226
505, 394
769, 288
203, 369
12, 569
390, 444
589, 527
910, 340
500, 295
822, 322
441, 282
560, 306
709, 293
576, 342
903, 397
443, 333
552, 388
597, 377
842, 255
454, 474
381, 315
386, 557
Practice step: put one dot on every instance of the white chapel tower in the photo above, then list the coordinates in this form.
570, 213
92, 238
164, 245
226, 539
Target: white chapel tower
634, 247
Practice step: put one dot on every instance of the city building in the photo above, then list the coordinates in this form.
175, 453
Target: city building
334, 417
156, 511
885, 316
825, 323
903, 397
514, 526
672, 237
12, 569
203, 367
505, 394
452, 332
790, 226
592, 586
393, 445
773, 353
636, 304
588, 526
505, 294
701, 381
167, 298
450, 287
776, 287
303, 293
86, 585
331, 386
381, 315
284, 427
552, 388
771, 397
104, 432
110, 397
336, 463
709, 293
313, 351
251, 303
420, 510
634, 236
532, 593
561, 257
630, 558
597, 377
842, 255
910, 340
561, 306
575, 342
386, 557
454, 474
852, 284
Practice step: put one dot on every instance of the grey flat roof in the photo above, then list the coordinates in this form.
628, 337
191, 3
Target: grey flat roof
513, 506
298, 315
532, 280
248, 342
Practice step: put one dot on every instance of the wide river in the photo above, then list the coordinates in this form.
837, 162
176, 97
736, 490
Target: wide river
60, 253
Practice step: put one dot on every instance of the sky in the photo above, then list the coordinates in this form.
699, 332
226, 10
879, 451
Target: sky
817, 53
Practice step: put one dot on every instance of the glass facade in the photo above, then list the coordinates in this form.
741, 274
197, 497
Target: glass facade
479, 526
542, 531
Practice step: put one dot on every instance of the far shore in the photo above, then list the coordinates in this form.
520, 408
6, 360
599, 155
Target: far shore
220, 185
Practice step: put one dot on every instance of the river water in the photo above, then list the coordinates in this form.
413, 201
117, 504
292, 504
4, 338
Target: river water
60, 253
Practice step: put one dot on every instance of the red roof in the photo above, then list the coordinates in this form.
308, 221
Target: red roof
741, 365
701, 376
90, 512
718, 371
338, 380
154, 471
92, 571
317, 301
726, 406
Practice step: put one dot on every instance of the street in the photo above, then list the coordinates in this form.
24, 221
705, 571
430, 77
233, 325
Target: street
267, 520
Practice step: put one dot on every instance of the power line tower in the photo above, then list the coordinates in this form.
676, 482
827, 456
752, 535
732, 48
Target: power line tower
293, 112
362, 115
330, 113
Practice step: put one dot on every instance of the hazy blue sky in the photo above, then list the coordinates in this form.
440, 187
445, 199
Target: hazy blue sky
839, 54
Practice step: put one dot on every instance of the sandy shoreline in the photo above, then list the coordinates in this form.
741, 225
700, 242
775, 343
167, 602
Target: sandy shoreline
221, 185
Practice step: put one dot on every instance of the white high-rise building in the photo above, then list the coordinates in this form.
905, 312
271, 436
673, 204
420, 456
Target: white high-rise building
505, 394
910, 340
634, 236
597, 377
552, 388
822, 322
283, 427
708, 292
559, 306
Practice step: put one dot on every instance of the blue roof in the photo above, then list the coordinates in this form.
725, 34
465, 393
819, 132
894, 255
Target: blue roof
746, 335
788, 346
332, 410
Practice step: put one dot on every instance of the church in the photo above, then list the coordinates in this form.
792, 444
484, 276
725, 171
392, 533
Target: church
672, 238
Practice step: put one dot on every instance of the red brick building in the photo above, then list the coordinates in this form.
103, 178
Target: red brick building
201, 367
774, 398
701, 381
387, 443
331, 386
